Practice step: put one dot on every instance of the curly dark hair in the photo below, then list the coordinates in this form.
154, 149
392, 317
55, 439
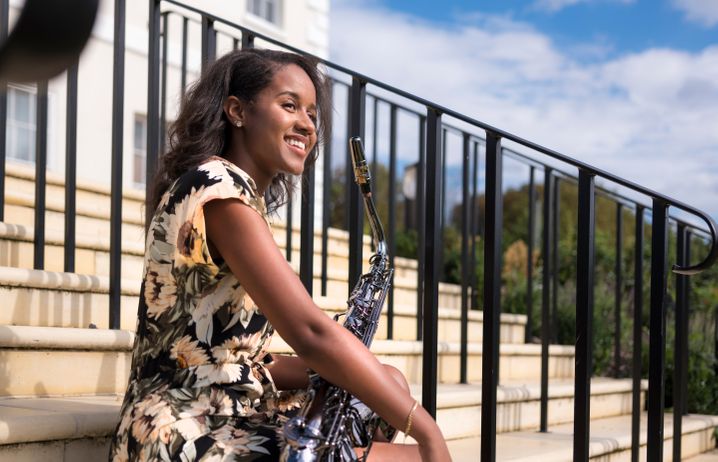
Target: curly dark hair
202, 129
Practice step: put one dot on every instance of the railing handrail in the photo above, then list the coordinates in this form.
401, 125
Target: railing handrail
582, 166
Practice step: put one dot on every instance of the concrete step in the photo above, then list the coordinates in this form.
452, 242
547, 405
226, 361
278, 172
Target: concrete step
57, 429
91, 361
80, 425
57, 299
710, 456
459, 406
92, 258
610, 442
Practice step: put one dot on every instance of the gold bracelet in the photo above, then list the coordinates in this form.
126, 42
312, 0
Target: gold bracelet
409, 418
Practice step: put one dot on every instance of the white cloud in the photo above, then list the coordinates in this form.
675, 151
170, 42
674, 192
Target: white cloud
704, 12
553, 6
650, 117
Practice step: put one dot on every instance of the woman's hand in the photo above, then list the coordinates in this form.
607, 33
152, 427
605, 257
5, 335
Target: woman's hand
432, 446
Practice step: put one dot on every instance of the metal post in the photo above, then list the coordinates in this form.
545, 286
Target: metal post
70, 168
392, 216
40, 172
288, 232
492, 296
465, 273
153, 102
306, 256
421, 199
163, 85
637, 337
618, 292
247, 40
474, 227
555, 257
431, 251
680, 347
546, 294
584, 314
326, 209
355, 210
530, 262
4, 25
657, 342
374, 129
209, 42
185, 26
118, 96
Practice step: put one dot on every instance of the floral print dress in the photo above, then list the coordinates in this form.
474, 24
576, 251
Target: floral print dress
199, 387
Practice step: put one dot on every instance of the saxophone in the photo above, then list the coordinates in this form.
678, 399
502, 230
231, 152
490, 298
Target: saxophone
328, 426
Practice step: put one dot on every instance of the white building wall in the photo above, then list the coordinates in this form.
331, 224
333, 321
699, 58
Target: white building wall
304, 25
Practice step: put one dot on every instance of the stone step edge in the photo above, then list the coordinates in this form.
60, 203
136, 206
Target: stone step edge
600, 447
23, 233
455, 396
73, 282
74, 338
24, 172
72, 425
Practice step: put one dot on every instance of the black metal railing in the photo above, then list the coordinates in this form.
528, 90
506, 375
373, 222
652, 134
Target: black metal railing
433, 125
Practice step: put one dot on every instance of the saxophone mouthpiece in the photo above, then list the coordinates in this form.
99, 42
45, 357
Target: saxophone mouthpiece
361, 169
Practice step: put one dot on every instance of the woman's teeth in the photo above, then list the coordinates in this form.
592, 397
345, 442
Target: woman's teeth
297, 143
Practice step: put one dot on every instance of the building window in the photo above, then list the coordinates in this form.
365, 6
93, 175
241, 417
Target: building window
139, 149
21, 124
269, 10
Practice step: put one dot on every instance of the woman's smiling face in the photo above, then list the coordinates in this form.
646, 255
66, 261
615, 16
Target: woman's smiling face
279, 126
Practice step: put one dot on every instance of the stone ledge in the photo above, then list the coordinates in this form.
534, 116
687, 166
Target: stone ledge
65, 338
47, 419
71, 282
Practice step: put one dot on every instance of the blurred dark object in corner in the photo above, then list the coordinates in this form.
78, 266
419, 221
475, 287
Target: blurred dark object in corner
47, 38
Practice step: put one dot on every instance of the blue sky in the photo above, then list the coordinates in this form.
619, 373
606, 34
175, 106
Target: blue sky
619, 25
628, 86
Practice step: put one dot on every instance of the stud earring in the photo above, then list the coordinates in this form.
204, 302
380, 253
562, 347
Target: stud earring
238, 123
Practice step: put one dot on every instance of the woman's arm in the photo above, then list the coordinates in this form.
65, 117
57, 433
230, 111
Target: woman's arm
241, 236
289, 372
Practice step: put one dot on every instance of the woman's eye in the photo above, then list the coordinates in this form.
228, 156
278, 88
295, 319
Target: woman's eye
290, 105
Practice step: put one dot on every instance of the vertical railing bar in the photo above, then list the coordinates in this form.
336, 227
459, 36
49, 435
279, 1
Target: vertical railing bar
555, 224
209, 42
686, 320
235, 43
163, 82
348, 172
392, 216
585, 273
185, 32
40, 173
530, 262
357, 119
153, 101
546, 294
118, 97
4, 25
474, 226
70, 168
680, 341
618, 292
374, 150
465, 273
657, 339
421, 199
637, 336
306, 256
326, 206
492, 296
247, 40
289, 231
442, 221
431, 252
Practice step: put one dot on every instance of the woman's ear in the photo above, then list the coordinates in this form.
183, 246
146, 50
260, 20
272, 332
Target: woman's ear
234, 110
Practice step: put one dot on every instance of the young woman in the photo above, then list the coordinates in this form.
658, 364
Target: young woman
215, 285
